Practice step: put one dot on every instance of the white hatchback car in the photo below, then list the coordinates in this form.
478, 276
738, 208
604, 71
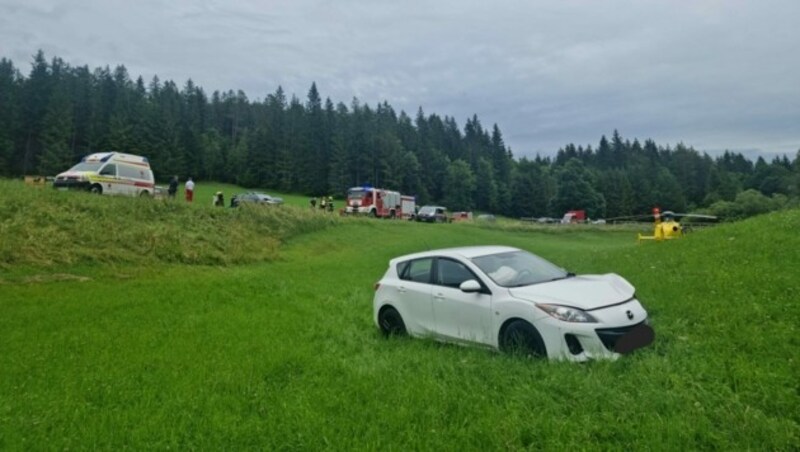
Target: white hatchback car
509, 299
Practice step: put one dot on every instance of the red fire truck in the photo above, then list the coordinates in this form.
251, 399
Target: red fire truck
574, 216
378, 202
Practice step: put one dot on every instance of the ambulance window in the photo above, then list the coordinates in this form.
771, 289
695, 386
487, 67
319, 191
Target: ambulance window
129, 172
133, 172
109, 170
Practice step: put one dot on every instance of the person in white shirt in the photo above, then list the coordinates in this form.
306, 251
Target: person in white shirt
189, 189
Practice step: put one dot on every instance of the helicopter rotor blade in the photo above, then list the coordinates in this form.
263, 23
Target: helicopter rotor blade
648, 217
696, 215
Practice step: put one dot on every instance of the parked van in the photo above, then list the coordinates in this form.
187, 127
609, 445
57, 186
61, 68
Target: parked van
112, 173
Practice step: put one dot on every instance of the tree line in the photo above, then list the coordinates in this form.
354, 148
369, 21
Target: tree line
58, 113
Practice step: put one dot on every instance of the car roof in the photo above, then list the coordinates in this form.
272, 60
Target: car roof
467, 252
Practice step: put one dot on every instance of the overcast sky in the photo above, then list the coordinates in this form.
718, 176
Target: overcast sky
712, 74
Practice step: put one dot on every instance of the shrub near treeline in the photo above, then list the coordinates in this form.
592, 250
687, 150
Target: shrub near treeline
48, 227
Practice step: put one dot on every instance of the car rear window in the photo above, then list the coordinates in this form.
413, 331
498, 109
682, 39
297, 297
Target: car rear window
418, 270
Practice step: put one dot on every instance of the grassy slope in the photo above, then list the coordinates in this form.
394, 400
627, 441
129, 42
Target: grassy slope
283, 355
48, 227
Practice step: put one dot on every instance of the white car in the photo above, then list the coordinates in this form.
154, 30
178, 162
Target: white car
509, 299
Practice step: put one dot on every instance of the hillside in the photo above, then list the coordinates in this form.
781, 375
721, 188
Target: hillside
282, 353
45, 227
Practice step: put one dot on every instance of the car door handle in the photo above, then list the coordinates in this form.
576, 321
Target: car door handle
439, 296
401, 289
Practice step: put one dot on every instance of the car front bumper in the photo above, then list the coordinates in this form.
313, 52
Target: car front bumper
71, 184
622, 328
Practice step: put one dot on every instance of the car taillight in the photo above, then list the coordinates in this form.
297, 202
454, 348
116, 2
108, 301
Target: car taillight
377, 286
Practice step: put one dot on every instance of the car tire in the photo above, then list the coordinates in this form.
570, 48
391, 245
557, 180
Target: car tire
390, 322
372, 214
521, 338
96, 189
144, 194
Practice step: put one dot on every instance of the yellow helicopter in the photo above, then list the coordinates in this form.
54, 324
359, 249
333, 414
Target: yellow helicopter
666, 227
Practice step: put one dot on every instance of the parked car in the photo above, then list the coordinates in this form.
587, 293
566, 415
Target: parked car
432, 214
255, 198
509, 299
487, 217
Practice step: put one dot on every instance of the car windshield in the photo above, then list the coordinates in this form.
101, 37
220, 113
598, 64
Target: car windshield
518, 268
427, 210
86, 166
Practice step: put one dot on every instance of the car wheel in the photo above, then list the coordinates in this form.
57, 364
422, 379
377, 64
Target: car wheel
372, 214
522, 338
96, 189
144, 194
390, 322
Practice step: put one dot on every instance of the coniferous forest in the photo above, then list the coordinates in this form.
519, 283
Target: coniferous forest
57, 113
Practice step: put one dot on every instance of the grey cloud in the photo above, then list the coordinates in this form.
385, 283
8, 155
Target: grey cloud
712, 74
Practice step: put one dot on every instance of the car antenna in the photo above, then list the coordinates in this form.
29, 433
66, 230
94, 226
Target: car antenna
425, 244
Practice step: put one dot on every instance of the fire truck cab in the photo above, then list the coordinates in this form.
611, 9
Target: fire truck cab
379, 203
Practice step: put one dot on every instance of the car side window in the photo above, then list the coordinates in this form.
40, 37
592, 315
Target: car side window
418, 270
451, 273
109, 170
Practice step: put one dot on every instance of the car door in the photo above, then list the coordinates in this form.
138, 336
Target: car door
460, 315
414, 295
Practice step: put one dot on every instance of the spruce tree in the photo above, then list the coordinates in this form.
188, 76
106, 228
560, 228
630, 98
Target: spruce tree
9, 115
56, 132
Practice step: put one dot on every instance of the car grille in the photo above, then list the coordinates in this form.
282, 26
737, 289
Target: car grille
609, 336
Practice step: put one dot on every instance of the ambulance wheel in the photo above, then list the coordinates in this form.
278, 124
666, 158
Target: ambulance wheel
372, 214
144, 194
96, 189
392, 214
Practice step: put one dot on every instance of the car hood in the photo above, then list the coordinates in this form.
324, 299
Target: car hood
584, 292
78, 174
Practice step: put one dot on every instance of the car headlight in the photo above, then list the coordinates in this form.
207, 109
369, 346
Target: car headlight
566, 314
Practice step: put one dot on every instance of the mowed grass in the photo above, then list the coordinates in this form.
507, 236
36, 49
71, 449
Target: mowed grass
283, 354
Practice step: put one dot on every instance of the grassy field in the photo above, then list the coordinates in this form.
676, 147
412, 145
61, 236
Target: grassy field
277, 351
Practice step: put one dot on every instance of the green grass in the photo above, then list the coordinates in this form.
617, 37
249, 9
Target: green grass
282, 354
48, 227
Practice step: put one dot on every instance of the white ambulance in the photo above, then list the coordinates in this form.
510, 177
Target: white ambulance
112, 173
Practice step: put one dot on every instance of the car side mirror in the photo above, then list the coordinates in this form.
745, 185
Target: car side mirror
470, 285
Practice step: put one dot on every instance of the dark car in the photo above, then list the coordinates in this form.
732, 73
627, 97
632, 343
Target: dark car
432, 214
255, 198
